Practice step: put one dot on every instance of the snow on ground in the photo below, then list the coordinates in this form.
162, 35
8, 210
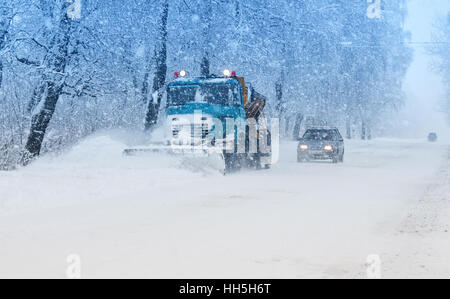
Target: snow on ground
148, 217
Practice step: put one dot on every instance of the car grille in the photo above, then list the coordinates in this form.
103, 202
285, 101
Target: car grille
315, 147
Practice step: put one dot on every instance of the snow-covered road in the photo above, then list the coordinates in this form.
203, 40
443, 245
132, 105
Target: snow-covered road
146, 217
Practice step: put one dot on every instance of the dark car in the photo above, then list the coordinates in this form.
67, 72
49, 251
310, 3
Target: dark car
432, 137
321, 144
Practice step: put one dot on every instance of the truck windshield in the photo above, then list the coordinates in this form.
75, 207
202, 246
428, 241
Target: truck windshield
320, 135
218, 94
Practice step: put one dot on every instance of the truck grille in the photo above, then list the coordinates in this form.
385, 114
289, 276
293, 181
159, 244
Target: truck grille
195, 130
199, 130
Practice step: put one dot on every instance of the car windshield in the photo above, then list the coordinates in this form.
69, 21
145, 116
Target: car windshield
218, 94
320, 135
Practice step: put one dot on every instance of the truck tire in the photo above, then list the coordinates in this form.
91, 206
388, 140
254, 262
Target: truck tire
257, 158
229, 163
233, 162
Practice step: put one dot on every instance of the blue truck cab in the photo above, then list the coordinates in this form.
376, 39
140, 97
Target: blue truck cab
211, 115
218, 97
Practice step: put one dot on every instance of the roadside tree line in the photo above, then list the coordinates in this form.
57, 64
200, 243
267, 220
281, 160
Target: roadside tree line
67, 71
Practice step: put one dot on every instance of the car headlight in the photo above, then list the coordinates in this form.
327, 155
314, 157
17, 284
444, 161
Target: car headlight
328, 148
303, 147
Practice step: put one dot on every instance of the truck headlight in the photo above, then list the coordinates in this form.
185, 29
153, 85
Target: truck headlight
328, 148
303, 147
176, 127
227, 73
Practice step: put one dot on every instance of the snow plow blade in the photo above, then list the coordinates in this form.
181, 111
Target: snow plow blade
168, 149
155, 148
196, 160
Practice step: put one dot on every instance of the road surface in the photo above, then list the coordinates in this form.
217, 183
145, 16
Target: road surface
149, 218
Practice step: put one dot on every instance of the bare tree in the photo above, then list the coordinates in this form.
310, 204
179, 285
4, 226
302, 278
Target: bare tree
441, 49
6, 17
53, 84
161, 70
207, 27
298, 125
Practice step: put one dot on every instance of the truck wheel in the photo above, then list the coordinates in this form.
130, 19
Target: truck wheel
335, 159
229, 163
233, 162
241, 161
257, 159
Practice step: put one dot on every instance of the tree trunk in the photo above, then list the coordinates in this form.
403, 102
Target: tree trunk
40, 122
237, 9
204, 67
161, 71
288, 126
207, 21
145, 85
279, 95
1, 73
53, 82
38, 92
363, 131
348, 126
298, 126
4, 24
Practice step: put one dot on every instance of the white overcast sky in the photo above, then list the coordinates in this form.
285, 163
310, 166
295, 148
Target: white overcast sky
423, 87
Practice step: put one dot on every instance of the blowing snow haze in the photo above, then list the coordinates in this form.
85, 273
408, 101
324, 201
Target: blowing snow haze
224, 139
425, 90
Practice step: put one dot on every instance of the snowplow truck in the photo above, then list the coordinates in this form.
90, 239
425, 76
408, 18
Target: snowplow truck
217, 115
